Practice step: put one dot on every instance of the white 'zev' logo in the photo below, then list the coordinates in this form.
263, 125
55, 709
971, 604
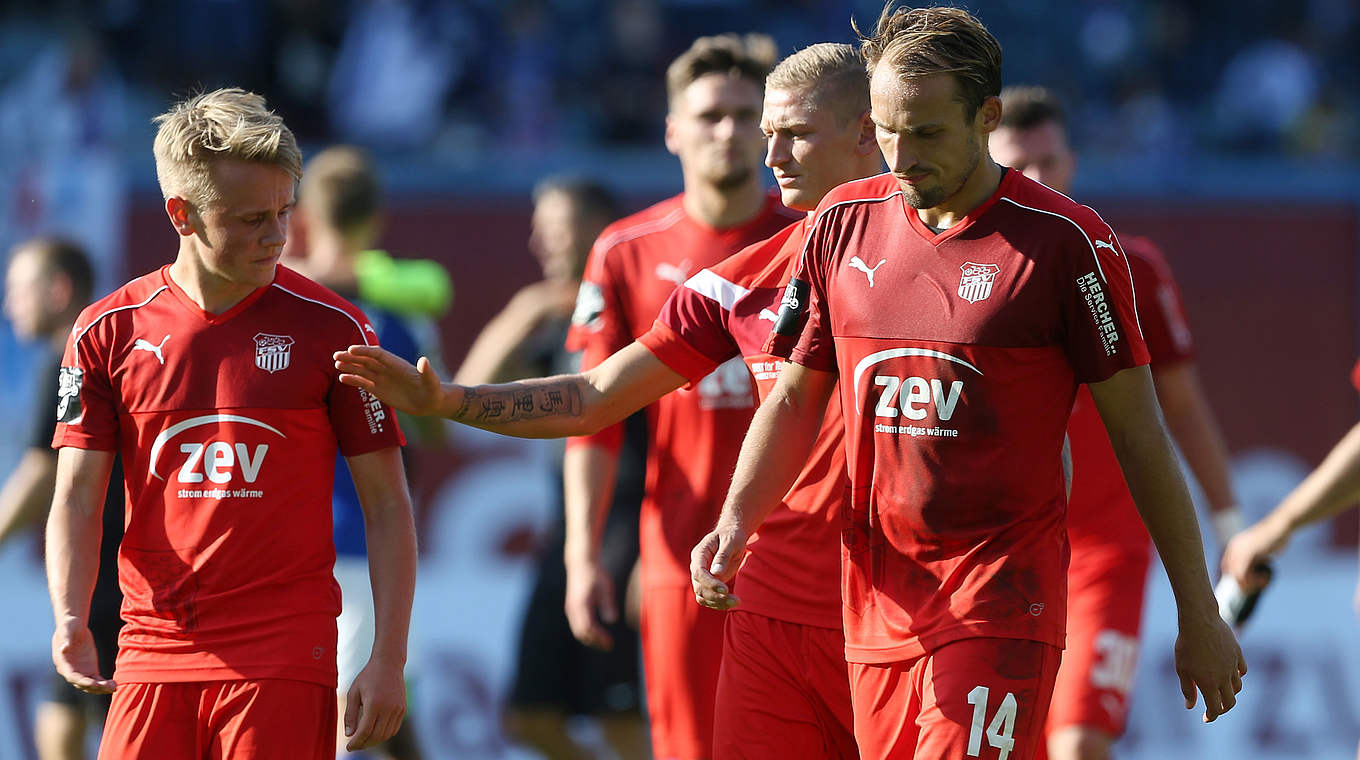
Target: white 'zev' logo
149, 347
976, 283
218, 459
858, 263
272, 352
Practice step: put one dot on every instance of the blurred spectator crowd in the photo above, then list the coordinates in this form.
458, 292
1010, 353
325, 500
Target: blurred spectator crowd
1151, 78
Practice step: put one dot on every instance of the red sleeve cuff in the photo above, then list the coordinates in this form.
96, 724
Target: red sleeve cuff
610, 439
674, 352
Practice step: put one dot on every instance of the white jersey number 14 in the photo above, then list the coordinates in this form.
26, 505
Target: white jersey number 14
999, 730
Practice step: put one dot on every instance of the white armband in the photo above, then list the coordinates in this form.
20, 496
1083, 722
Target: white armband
1227, 523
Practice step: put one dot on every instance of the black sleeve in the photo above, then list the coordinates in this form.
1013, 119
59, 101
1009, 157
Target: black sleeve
42, 415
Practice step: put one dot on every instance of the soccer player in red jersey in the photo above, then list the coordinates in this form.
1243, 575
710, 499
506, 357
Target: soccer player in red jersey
1110, 548
783, 690
959, 305
212, 378
712, 126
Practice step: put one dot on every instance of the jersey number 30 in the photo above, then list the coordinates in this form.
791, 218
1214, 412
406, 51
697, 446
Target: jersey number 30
998, 731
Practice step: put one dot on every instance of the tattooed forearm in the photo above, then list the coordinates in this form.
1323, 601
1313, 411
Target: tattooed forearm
519, 402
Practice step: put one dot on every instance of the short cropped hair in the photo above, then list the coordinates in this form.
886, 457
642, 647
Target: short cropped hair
227, 123
590, 197
918, 42
340, 188
61, 256
1028, 106
747, 56
833, 73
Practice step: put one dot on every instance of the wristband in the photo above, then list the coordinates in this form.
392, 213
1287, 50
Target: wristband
1227, 523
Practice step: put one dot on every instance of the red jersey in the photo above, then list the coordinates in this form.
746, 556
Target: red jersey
695, 433
792, 571
1101, 512
959, 354
228, 426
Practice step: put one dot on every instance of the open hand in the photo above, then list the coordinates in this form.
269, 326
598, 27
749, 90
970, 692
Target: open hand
416, 390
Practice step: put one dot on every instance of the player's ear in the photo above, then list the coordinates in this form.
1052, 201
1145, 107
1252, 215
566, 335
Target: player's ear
988, 116
868, 143
672, 143
179, 212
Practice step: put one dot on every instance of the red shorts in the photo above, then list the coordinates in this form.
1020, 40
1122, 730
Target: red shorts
217, 720
1104, 615
783, 692
973, 698
681, 651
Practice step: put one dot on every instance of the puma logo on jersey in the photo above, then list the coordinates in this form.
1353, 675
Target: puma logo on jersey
676, 273
1109, 245
767, 314
858, 263
146, 345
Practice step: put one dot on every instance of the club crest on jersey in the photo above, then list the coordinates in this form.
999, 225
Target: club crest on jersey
976, 283
272, 352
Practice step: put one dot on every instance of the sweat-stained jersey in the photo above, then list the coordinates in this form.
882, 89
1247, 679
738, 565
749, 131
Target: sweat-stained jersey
792, 571
696, 433
228, 426
958, 355
1100, 510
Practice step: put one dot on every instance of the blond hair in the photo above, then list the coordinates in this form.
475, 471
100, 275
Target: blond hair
227, 123
747, 56
919, 42
833, 74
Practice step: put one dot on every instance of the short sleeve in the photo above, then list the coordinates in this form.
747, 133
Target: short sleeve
692, 335
1161, 310
1103, 333
362, 423
599, 324
87, 413
815, 347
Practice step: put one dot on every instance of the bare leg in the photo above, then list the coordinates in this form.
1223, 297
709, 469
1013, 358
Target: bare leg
59, 731
627, 734
1079, 743
544, 731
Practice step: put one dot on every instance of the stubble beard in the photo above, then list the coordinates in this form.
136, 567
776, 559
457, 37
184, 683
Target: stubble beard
936, 196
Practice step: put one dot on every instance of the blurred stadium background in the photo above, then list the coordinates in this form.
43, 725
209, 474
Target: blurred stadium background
1228, 131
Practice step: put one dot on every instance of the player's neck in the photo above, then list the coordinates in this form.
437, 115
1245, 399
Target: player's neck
213, 294
975, 191
332, 260
57, 338
722, 207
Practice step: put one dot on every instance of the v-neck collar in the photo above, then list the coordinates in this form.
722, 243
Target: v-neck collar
936, 238
213, 319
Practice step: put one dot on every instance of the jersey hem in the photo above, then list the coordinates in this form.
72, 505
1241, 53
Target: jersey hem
915, 648
254, 673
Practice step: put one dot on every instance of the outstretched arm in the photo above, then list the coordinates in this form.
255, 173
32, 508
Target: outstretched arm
73, 532
775, 450
1207, 654
1330, 489
548, 407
